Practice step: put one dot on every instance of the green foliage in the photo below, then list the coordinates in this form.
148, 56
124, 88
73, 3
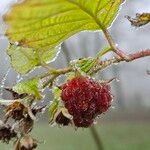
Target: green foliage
54, 105
85, 64
45, 24
40, 26
31, 87
25, 59
22, 59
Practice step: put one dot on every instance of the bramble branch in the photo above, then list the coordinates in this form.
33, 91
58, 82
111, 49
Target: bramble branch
55, 74
99, 66
112, 44
139, 54
131, 57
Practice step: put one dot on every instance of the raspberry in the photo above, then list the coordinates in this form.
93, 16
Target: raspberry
85, 99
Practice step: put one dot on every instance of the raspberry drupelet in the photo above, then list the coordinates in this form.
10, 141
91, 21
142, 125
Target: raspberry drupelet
85, 99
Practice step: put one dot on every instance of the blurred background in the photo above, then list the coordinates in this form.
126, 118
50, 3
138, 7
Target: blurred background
127, 124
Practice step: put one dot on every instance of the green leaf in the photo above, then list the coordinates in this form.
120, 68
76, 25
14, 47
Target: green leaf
22, 59
31, 87
45, 24
103, 52
85, 64
25, 59
54, 105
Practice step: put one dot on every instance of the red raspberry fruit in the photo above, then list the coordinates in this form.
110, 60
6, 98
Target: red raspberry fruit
85, 99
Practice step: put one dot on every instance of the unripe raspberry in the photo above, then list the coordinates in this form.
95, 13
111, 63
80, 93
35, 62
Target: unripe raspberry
85, 99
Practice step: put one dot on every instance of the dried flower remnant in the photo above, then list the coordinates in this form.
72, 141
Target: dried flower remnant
140, 20
16, 110
25, 143
62, 117
26, 124
62, 120
6, 133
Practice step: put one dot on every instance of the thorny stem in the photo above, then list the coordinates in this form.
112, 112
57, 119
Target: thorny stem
99, 66
131, 57
121, 56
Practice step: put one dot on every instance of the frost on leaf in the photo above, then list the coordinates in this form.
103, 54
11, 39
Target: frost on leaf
30, 87
45, 24
24, 60
140, 20
40, 26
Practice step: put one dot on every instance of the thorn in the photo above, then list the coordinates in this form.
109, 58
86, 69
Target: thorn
108, 81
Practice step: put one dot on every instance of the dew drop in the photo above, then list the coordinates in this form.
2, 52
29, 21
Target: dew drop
116, 45
117, 80
17, 43
95, 122
116, 64
34, 103
43, 110
53, 124
19, 78
113, 107
2, 83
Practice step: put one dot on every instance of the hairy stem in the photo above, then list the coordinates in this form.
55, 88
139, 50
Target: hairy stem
113, 45
131, 57
99, 66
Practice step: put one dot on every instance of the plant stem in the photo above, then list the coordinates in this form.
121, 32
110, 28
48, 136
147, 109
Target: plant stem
103, 52
113, 45
131, 57
99, 66
96, 138
55, 74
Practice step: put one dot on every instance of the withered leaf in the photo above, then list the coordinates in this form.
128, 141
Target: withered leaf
25, 143
140, 20
6, 133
